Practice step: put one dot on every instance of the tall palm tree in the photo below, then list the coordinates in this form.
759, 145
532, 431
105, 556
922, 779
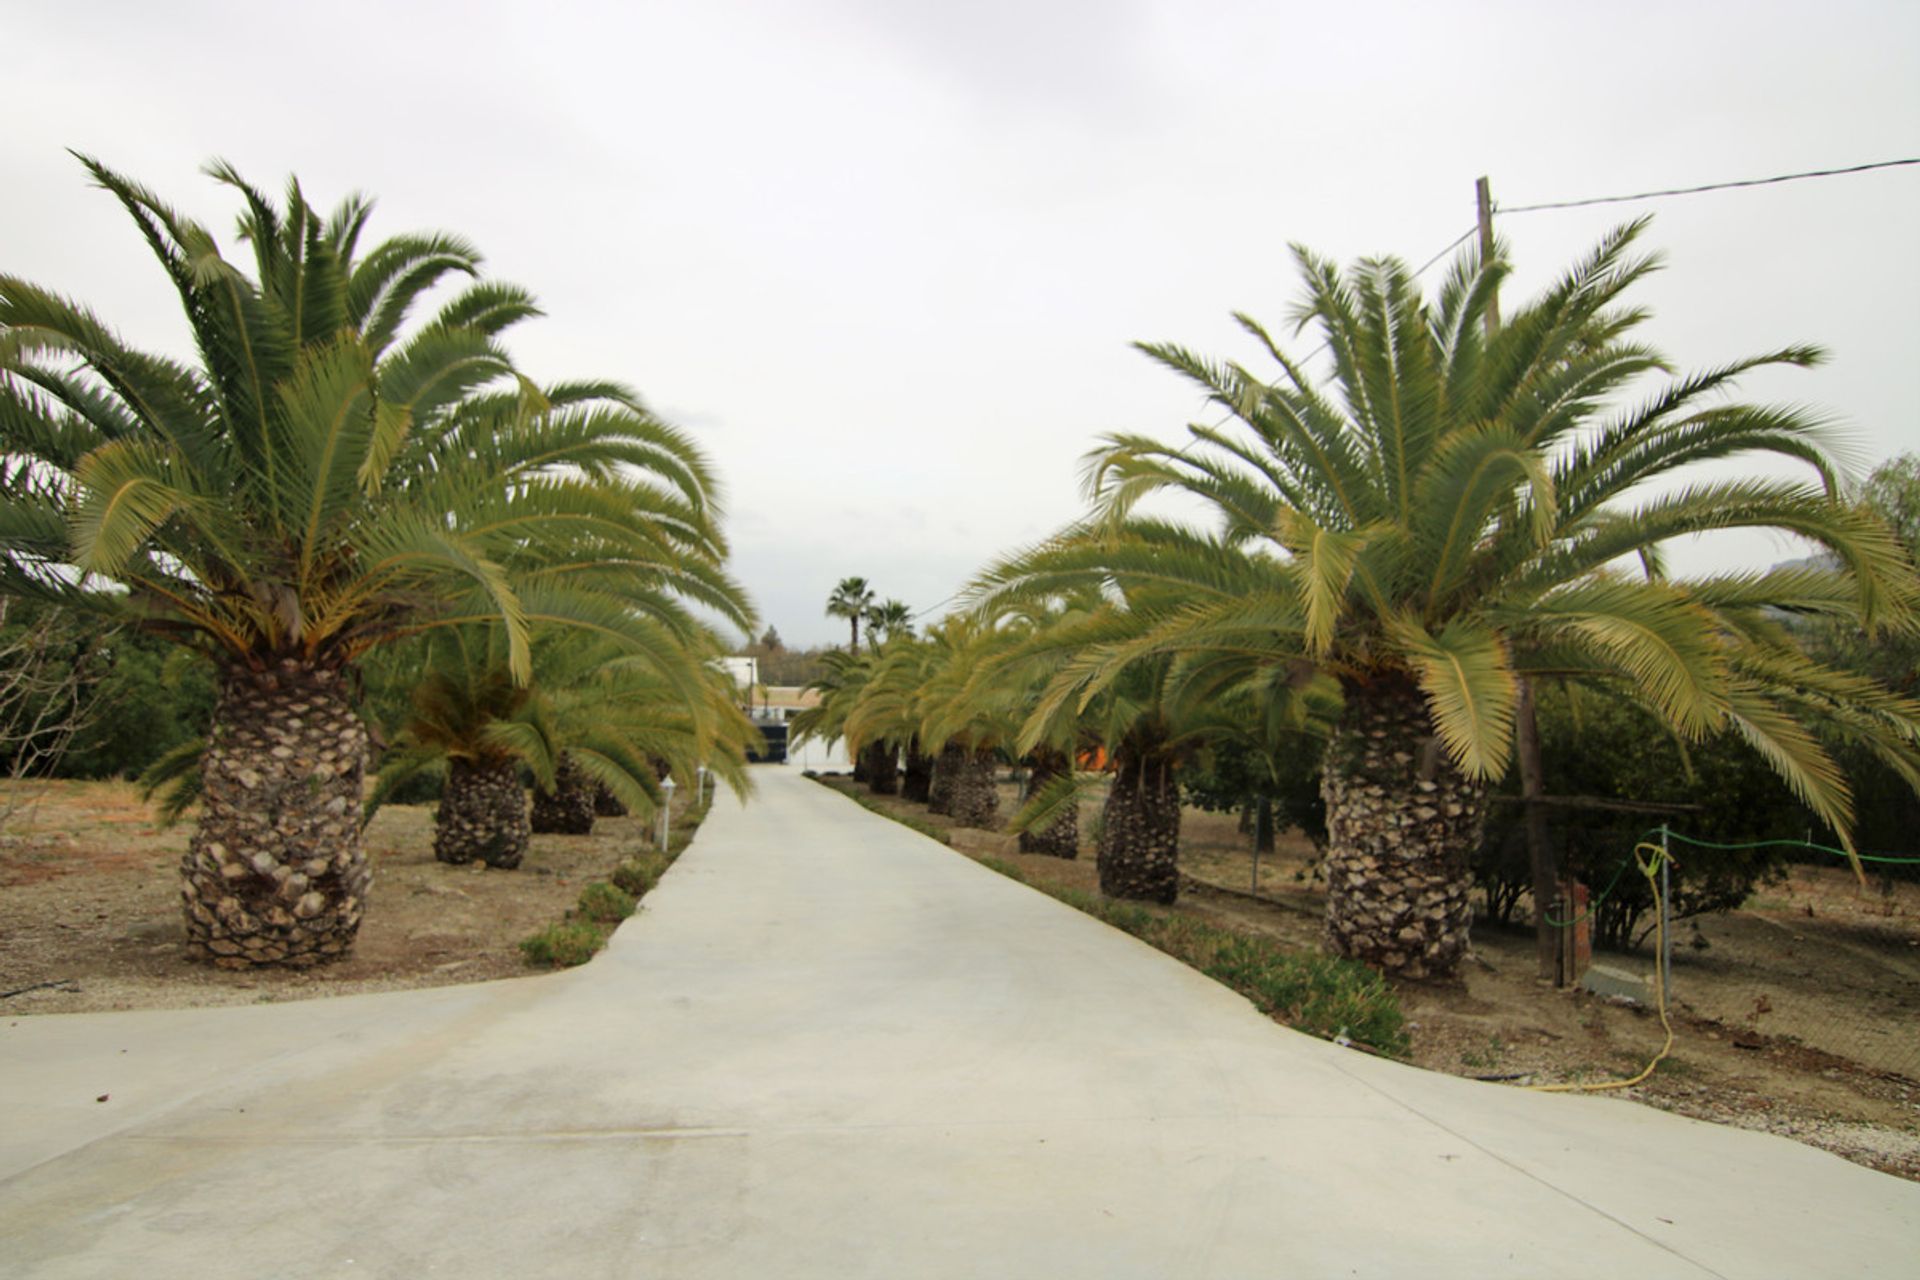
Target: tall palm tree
324, 480
1449, 518
851, 600
888, 619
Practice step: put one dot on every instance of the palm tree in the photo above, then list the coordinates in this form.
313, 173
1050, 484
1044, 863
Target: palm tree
1449, 521
851, 600
596, 712
838, 691
322, 482
966, 732
889, 619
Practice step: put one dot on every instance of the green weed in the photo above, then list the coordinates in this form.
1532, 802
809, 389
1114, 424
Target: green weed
561, 946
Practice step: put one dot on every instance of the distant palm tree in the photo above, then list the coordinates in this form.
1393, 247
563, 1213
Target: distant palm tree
595, 715
889, 619
851, 600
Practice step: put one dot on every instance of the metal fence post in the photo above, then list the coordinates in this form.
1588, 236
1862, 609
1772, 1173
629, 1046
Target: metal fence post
1666, 918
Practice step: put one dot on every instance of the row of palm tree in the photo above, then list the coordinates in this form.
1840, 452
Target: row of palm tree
336, 488
1393, 554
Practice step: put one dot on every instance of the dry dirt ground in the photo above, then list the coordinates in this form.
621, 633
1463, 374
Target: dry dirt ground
1778, 1021
90, 916
1799, 1017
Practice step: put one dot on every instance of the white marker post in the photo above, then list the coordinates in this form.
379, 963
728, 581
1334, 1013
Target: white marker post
666, 812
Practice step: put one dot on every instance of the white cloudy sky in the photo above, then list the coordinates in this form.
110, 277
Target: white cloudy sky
886, 256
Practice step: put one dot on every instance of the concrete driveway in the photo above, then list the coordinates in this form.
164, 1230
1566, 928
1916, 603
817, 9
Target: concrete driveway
829, 1047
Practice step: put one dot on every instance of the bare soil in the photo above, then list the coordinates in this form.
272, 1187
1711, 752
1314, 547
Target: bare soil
1793, 1018
1799, 1016
90, 913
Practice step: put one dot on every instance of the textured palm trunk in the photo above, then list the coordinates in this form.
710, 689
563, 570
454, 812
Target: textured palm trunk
483, 815
606, 804
1061, 839
883, 773
1139, 848
916, 781
951, 763
567, 810
976, 800
1401, 824
275, 873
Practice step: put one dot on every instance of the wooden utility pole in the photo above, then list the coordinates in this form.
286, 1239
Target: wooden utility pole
1526, 726
1483, 198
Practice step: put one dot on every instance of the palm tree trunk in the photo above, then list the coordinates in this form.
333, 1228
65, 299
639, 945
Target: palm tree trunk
946, 770
276, 872
569, 808
483, 814
606, 804
976, 800
1139, 848
1062, 838
917, 781
883, 771
1401, 824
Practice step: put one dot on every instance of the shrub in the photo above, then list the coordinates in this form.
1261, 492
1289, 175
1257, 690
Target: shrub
561, 946
605, 903
1322, 995
1595, 745
636, 876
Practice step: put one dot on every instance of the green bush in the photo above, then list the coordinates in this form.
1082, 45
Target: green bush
605, 903
636, 876
561, 946
1322, 995
1598, 746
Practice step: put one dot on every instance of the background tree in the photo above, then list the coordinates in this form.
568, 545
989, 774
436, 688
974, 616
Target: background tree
889, 619
851, 600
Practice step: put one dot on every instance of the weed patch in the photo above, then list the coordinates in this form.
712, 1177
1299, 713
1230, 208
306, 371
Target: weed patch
561, 946
606, 904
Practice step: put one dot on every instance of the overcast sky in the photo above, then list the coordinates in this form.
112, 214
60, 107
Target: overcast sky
885, 257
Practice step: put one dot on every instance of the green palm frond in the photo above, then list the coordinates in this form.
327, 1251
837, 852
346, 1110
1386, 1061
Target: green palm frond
1470, 687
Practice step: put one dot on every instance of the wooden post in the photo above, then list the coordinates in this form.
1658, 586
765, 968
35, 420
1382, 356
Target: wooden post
1546, 876
1540, 852
1483, 199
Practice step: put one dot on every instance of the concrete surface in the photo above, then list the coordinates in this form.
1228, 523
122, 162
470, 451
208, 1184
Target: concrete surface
829, 1047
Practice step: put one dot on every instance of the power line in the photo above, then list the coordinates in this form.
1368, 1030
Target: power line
1452, 244
1711, 186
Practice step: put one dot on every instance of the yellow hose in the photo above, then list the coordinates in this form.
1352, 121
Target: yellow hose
1650, 868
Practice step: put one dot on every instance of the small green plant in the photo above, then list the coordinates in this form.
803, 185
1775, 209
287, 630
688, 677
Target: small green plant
636, 876
606, 903
561, 946
1487, 1060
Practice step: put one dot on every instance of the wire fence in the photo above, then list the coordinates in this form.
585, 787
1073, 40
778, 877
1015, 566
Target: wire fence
1815, 965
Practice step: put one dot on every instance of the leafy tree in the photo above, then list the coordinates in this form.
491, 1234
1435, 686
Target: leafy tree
1885, 802
1447, 518
323, 481
1604, 747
